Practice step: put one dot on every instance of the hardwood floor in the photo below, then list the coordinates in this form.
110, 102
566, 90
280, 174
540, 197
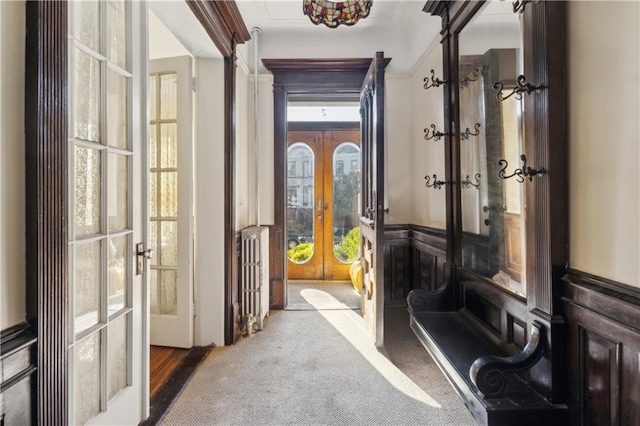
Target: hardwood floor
164, 361
170, 370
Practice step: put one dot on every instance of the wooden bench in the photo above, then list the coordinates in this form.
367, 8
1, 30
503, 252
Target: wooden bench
485, 373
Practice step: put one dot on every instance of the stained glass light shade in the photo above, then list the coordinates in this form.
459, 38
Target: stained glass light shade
334, 13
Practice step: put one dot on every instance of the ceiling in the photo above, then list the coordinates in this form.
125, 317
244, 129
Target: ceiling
399, 28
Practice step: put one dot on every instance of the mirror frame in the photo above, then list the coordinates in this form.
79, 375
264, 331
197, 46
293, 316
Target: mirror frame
546, 223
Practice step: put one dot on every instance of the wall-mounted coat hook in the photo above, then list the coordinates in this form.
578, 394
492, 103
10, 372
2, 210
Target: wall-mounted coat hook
468, 132
522, 86
518, 6
467, 182
437, 184
521, 173
433, 82
472, 76
435, 134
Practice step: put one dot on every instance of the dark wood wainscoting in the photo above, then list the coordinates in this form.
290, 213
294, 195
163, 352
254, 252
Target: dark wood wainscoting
17, 363
603, 330
413, 258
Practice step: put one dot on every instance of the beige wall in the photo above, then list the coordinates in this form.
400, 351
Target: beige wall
209, 187
265, 149
398, 149
244, 148
12, 242
604, 154
427, 157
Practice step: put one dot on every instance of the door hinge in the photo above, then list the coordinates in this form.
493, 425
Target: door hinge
194, 308
193, 84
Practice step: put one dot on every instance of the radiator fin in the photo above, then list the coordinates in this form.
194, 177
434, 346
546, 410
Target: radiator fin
254, 264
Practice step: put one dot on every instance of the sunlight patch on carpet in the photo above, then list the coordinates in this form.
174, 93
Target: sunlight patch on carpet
352, 327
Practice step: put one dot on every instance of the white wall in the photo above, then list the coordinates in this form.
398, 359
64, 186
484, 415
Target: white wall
398, 149
265, 149
12, 211
427, 157
244, 176
604, 154
209, 208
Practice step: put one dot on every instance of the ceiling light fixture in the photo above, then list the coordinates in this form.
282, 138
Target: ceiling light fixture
334, 13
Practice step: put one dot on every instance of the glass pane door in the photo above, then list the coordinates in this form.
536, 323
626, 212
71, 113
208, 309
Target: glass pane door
101, 221
171, 196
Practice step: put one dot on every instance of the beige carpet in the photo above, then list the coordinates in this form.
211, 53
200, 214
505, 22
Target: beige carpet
319, 368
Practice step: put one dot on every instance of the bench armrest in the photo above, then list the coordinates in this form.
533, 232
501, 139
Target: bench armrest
441, 300
488, 372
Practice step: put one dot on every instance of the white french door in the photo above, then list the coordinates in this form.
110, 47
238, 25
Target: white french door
107, 77
171, 226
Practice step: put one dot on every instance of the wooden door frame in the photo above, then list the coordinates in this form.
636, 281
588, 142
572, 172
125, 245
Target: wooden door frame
224, 24
308, 79
46, 184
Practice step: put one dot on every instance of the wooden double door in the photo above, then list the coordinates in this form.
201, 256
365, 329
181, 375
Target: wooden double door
323, 203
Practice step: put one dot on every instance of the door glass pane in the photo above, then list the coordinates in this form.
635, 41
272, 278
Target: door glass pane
86, 292
117, 33
169, 248
301, 203
169, 194
117, 356
117, 274
118, 188
116, 110
153, 284
346, 202
153, 241
86, 97
154, 194
168, 96
87, 378
153, 157
153, 98
86, 23
169, 138
87, 191
169, 293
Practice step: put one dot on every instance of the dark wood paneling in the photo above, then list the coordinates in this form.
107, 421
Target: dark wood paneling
46, 142
414, 259
17, 362
428, 257
486, 311
322, 126
232, 288
603, 337
397, 266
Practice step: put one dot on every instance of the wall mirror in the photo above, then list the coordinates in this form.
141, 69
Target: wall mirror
491, 136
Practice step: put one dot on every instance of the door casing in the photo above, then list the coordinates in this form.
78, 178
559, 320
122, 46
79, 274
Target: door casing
311, 80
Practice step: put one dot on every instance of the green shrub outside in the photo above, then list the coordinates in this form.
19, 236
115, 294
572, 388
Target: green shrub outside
300, 253
347, 250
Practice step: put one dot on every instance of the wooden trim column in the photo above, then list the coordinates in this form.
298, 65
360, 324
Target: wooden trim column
232, 303
224, 25
279, 272
46, 120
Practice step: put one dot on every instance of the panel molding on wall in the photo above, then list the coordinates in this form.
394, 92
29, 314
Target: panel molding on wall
18, 367
603, 348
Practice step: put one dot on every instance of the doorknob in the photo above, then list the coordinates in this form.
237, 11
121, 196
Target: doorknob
141, 255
